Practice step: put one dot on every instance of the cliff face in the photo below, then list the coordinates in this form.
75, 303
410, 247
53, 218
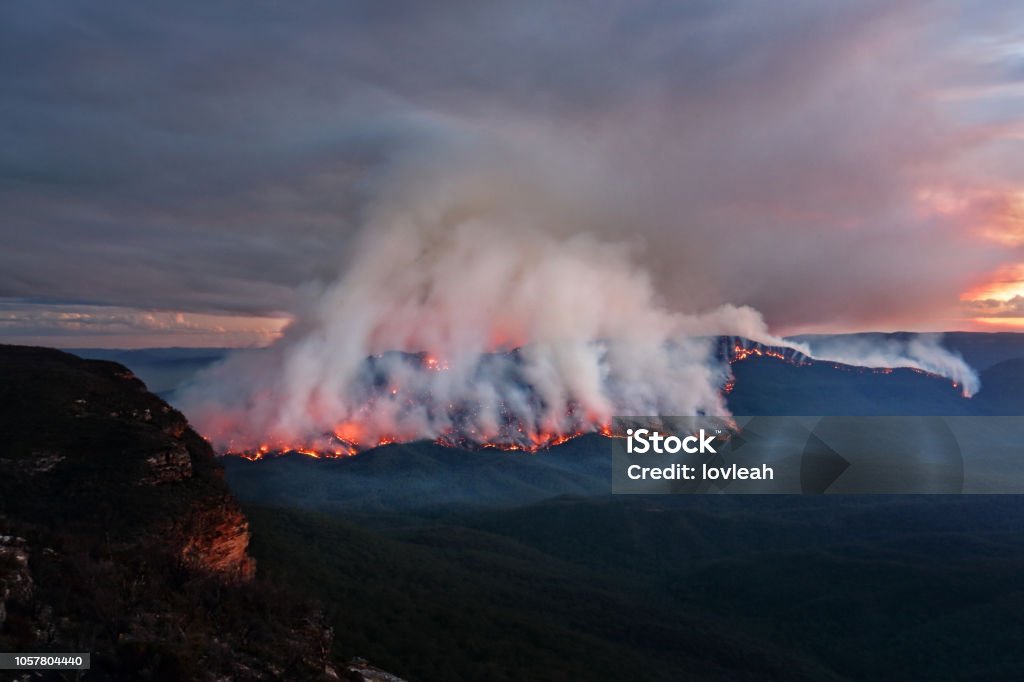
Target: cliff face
119, 537
83, 443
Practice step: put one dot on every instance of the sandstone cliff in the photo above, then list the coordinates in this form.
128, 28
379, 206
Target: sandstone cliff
119, 537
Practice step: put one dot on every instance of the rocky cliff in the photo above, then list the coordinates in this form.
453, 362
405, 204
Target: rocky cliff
119, 537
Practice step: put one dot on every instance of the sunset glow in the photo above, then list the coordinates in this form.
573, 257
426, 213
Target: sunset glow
998, 305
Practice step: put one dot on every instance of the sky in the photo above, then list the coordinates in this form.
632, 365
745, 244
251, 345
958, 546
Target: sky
183, 174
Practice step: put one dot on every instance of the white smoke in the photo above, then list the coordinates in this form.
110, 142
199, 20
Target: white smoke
523, 324
922, 352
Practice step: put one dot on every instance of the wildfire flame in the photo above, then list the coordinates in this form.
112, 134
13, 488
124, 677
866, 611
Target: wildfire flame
333, 446
349, 438
741, 352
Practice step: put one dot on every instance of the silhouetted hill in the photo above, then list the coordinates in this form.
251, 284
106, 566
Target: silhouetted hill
119, 537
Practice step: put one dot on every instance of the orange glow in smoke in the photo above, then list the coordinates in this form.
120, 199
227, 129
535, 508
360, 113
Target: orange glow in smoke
351, 437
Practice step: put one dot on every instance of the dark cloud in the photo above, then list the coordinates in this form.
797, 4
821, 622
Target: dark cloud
214, 157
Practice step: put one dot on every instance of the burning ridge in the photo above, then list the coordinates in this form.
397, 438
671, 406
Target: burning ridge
508, 431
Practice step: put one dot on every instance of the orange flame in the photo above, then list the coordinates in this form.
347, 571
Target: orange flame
350, 437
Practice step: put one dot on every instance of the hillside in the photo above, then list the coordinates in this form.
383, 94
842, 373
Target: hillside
119, 537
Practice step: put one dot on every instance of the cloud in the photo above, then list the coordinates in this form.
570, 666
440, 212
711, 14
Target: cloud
993, 307
218, 160
79, 326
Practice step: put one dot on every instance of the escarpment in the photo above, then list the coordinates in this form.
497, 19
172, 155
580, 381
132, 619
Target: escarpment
119, 536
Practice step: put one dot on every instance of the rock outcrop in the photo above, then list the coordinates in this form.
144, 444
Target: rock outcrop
217, 540
118, 536
170, 466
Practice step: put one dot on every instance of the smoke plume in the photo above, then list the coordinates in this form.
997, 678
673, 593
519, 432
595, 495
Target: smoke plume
474, 306
923, 352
